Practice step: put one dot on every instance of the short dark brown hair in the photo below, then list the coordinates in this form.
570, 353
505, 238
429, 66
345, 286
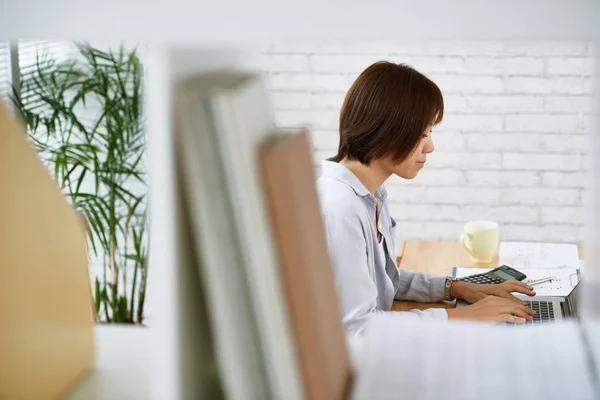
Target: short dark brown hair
386, 111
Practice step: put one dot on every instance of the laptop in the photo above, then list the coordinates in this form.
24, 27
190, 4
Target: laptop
547, 309
550, 309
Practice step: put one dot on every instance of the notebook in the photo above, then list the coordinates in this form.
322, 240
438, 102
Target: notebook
565, 279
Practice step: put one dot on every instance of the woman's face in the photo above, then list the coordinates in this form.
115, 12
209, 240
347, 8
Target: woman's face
410, 167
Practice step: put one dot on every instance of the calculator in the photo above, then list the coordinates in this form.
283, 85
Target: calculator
497, 275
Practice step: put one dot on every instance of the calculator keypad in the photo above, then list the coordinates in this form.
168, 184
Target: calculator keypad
482, 279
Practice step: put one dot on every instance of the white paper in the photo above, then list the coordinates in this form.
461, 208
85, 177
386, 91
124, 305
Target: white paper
466, 360
522, 255
566, 279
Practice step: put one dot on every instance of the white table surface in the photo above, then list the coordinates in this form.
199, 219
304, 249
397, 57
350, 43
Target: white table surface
121, 368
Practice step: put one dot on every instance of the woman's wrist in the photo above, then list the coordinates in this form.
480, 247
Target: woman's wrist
457, 288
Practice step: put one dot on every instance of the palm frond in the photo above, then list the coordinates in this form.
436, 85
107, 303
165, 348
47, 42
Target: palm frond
94, 159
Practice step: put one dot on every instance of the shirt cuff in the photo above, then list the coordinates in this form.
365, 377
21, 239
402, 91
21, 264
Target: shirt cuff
439, 314
437, 287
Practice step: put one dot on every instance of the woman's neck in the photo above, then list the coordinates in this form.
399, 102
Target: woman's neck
372, 175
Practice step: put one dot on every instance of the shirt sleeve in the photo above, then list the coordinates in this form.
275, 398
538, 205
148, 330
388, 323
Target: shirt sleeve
357, 292
419, 286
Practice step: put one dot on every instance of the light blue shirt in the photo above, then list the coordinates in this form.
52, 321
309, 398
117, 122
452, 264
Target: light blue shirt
366, 283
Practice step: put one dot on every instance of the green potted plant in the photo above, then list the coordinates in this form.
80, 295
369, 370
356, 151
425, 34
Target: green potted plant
84, 117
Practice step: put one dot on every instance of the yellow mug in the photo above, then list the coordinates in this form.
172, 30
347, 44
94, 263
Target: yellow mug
480, 240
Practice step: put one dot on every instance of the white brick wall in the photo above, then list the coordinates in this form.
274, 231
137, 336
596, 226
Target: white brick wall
512, 146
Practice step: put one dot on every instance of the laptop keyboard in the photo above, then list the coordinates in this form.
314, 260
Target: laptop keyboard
544, 312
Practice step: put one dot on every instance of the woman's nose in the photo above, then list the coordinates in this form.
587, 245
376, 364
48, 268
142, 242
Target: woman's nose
429, 147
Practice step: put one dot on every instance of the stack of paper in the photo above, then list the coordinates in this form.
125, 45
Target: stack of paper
487, 361
522, 255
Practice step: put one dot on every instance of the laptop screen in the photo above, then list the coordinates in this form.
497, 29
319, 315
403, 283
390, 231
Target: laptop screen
572, 300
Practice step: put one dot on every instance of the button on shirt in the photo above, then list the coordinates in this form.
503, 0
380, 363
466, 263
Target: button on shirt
368, 283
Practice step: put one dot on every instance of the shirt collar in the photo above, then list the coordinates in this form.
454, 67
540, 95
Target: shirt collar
343, 174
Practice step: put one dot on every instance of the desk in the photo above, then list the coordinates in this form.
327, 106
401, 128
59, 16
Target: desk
436, 258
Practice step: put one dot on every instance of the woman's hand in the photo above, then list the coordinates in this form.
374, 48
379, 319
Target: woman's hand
495, 309
472, 292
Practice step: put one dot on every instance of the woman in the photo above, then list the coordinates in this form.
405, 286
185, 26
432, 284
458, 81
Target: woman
385, 129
